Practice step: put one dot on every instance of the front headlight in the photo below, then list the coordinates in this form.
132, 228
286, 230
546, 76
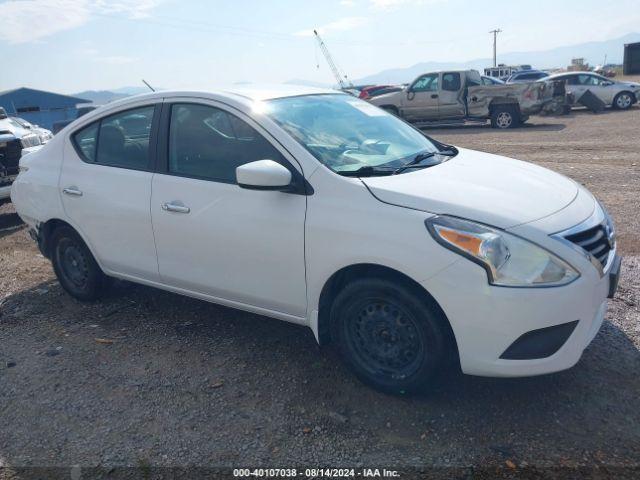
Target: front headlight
510, 261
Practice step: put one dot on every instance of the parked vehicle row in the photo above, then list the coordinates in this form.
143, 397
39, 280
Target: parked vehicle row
315, 207
460, 95
454, 96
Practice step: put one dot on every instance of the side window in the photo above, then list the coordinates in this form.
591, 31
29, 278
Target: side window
209, 143
123, 140
86, 141
428, 83
451, 82
119, 140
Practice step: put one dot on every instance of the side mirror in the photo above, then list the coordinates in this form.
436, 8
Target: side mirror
607, 84
263, 175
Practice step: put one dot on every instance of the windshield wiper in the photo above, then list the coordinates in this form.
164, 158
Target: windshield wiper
367, 171
419, 158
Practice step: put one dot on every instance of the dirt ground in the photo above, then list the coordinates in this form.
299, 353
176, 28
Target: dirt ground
149, 378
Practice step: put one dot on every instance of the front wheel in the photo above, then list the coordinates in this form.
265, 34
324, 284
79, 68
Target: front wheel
623, 101
74, 265
389, 335
505, 116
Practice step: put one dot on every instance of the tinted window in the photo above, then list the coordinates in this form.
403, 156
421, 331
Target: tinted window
123, 140
86, 141
451, 82
428, 83
209, 143
120, 140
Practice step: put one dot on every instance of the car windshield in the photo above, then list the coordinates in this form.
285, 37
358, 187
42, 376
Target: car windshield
347, 134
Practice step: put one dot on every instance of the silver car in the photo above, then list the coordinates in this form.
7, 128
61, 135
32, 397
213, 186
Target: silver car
616, 94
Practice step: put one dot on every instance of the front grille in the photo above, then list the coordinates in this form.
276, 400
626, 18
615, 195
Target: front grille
10, 152
595, 241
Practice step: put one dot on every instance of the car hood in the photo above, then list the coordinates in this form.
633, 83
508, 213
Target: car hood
392, 98
490, 189
633, 85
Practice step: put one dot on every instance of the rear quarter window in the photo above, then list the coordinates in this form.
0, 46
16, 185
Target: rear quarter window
86, 140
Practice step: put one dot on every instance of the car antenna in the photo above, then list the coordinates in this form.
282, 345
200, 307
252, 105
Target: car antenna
150, 87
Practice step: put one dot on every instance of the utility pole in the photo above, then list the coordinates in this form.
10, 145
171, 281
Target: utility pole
495, 34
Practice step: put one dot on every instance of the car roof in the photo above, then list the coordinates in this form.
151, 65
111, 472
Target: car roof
251, 93
525, 72
565, 74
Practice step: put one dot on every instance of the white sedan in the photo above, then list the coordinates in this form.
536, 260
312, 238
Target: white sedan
317, 208
616, 94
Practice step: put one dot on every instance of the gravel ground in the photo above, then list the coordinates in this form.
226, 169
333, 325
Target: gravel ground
148, 378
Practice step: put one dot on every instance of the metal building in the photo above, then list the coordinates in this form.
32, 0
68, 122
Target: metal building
40, 107
632, 58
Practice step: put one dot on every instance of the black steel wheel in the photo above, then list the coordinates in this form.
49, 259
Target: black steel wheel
389, 335
74, 265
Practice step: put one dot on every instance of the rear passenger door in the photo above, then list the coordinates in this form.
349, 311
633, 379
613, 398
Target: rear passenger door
450, 103
243, 247
105, 185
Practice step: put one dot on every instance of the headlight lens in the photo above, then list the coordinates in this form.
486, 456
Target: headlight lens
510, 261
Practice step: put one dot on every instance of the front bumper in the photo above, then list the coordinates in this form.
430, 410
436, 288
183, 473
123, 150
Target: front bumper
487, 320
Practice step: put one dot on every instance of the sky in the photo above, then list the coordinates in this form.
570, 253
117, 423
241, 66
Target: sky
73, 45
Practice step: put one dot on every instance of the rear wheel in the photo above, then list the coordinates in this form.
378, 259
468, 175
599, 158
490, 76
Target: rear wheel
623, 101
505, 116
74, 265
389, 335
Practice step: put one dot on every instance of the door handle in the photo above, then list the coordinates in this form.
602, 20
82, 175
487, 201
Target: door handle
172, 207
72, 191
434, 95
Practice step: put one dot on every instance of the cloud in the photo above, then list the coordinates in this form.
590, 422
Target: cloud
394, 4
348, 3
340, 25
26, 21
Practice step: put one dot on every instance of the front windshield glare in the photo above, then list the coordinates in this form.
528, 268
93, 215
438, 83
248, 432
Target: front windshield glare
347, 134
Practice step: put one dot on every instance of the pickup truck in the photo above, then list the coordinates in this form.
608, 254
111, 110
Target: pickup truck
456, 96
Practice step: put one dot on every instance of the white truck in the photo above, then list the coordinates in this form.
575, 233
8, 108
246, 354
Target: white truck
457, 96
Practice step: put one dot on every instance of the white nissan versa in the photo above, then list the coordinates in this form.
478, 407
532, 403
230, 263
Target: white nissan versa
317, 208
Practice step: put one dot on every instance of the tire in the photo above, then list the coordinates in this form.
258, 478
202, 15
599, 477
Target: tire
74, 265
623, 101
505, 116
389, 335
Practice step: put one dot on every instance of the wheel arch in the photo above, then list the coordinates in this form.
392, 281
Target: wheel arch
634, 98
342, 277
45, 232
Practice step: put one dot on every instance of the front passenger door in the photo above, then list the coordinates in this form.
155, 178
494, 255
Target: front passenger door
244, 247
421, 102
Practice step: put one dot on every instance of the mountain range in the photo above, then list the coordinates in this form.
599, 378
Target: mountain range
594, 53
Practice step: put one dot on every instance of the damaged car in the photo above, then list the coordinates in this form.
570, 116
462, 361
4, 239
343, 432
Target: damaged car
14, 142
451, 97
617, 94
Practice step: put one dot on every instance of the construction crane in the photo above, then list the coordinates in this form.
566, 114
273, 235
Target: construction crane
342, 79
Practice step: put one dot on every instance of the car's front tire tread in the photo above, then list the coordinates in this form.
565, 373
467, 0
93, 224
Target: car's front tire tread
429, 323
